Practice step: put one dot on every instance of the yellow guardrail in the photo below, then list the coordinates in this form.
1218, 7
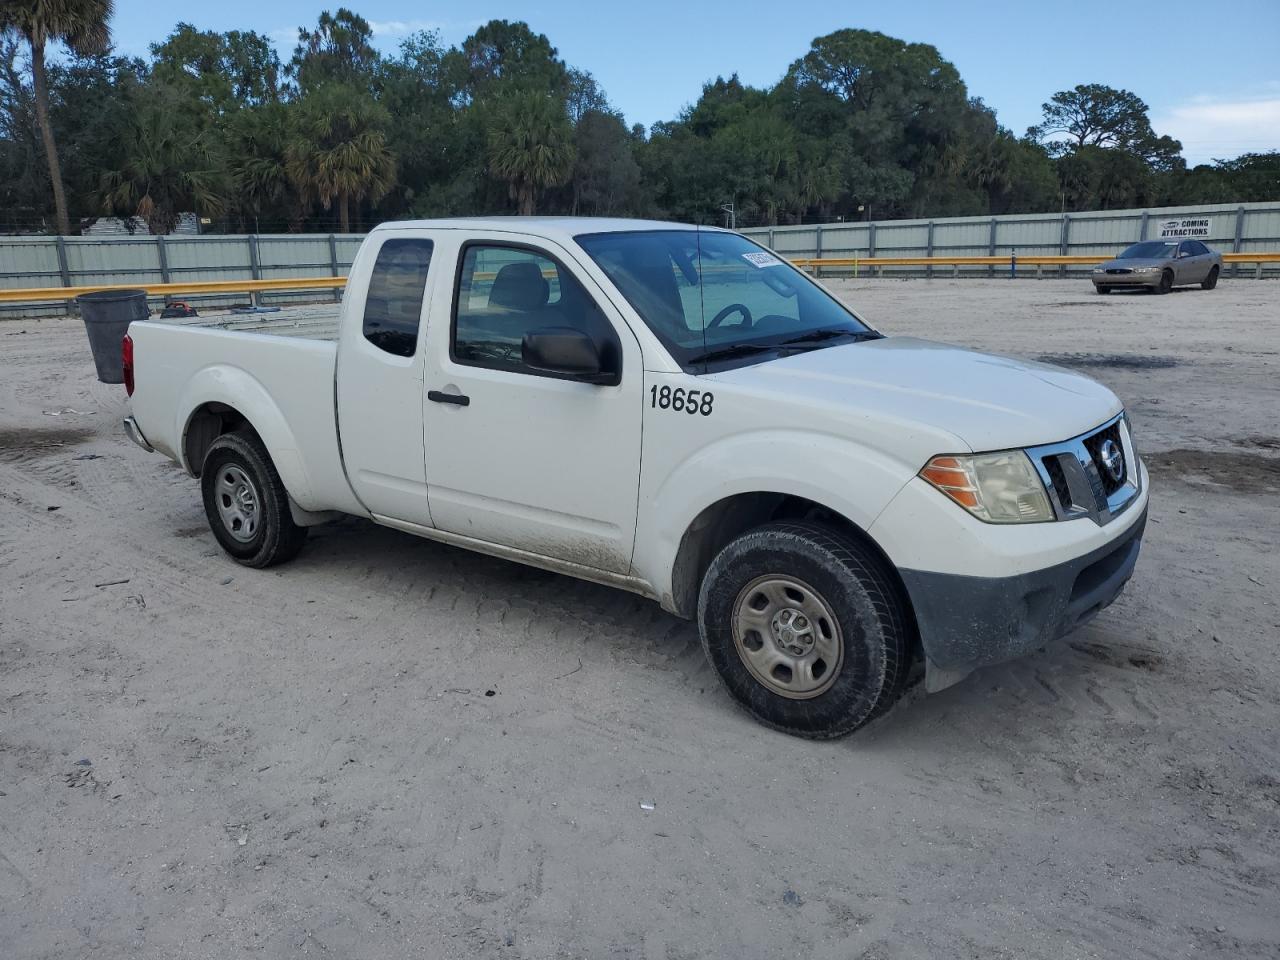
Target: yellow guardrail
44, 294
1055, 260
213, 287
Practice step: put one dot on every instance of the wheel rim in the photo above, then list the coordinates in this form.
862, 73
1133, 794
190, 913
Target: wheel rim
238, 503
787, 636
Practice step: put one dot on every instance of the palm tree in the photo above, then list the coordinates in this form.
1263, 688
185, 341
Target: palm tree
530, 146
338, 149
81, 25
258, 138
168, 165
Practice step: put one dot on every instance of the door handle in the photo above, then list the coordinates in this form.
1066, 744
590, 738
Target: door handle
439, 396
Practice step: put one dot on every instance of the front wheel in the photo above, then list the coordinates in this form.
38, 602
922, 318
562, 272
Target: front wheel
1211, 281
1102, 290
246, 503
1166, 282
805, 629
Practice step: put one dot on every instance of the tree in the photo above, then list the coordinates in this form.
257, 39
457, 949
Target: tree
510, 53
23, 192
92, 104
227, 70
258, 139
169, 164
338, 149
606, 178
1249, 177
584, 96
338, 50
1095, 115
530, 145
889, 108
82, 26
1103, 178
437, 153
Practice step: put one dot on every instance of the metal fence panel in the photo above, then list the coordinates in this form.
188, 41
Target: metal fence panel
111, 261
55, 262
1101, 233
208, 258
28, 263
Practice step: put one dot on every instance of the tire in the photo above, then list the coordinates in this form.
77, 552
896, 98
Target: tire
246, 503
1211, 281
772, 576
1166, 282
1102, 290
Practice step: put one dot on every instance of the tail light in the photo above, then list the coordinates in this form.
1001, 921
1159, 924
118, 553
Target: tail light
126, 362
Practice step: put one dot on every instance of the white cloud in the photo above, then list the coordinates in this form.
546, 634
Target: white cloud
401, 28
1216, 128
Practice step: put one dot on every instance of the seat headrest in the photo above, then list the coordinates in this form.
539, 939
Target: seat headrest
520, 286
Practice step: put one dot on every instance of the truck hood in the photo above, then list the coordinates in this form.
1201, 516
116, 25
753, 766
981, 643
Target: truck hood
988, 402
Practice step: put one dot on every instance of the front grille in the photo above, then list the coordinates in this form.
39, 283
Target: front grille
1094, 444
1119, 270
1078, 480
1059, 480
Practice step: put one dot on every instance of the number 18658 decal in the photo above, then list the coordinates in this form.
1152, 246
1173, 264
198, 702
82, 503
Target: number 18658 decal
681, 400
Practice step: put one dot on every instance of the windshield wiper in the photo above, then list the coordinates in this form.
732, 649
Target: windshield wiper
818, 336
734, 350
782, 347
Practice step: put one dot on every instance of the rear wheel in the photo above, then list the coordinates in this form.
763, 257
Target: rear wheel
805, 629
246, 503
1211, 281
1166, 282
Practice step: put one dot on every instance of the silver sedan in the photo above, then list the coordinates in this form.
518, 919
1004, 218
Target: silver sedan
1159, 266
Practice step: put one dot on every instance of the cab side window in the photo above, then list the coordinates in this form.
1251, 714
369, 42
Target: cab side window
505, 292
393, 304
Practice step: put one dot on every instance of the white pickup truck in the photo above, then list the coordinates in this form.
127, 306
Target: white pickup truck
674, 411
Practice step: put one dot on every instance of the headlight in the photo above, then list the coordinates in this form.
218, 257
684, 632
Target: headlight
1098, 270
1146, 269
995, 487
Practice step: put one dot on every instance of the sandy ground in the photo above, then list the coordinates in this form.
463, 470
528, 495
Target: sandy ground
392, 748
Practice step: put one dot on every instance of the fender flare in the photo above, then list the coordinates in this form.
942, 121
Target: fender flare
854, 481
236, 388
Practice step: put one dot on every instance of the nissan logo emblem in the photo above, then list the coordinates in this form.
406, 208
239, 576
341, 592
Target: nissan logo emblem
1112, 459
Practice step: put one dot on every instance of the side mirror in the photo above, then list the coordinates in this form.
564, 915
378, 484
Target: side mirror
566, 352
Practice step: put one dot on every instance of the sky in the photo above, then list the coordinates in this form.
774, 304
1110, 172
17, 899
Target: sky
1209, 72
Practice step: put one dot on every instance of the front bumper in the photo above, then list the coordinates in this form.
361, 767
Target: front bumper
1126, 281
967, 622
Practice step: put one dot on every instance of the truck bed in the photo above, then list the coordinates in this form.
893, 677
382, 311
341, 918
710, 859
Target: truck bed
275, 369
306, 322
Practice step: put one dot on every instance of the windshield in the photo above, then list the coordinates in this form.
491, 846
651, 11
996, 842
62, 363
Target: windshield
1151, 250
717, 297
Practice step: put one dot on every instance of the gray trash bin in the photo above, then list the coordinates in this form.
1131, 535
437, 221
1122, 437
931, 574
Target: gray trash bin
107, 315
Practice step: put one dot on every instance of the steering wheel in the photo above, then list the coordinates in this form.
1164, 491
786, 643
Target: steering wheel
732, 308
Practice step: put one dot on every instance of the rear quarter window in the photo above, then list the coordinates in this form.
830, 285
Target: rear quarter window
393, 303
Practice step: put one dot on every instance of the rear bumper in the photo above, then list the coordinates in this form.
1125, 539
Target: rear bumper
967, 622
134, 432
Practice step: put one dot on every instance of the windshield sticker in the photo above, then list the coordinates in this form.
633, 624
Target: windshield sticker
760, 259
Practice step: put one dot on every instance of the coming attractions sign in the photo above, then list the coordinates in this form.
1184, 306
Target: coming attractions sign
1185, 227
